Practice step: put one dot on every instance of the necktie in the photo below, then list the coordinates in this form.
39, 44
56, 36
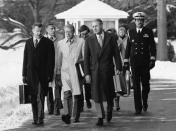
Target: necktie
52, 38
100, 40
139, 31
35, 43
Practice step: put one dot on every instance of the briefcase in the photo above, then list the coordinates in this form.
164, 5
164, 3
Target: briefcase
80, 70
24, 94
121, 85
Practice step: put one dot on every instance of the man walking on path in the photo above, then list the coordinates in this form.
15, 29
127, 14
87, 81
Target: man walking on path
38, 69
100, 48
141, 54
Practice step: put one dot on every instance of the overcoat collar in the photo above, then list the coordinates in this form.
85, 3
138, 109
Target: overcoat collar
105, 43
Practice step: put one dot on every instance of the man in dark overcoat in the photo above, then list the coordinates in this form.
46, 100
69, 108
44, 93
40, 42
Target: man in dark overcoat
141, 54
54, 105
100, 49
38, 68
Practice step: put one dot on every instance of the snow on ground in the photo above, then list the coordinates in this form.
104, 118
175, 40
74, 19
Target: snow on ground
164, 70
11, 113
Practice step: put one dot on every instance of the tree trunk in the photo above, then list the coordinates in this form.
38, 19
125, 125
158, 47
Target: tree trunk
162, 31
34, 5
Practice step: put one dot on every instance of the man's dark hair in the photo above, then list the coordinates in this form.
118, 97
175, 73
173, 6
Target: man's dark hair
83, 28
49, 24
112, 31
124, 25
37, 25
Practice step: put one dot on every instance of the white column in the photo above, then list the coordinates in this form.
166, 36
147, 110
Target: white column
117, 24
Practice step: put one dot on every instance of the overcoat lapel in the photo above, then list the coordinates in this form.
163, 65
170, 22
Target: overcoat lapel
97, 45
105, 43
32, 43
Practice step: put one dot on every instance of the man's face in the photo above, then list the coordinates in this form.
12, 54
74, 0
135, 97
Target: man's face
84, 34
37, 32
97, 27
50, 30
139, 23
69, 33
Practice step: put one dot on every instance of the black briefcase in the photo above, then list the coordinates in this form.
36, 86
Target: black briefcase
24, 94
79, 68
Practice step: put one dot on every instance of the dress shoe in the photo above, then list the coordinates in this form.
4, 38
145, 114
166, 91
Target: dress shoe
50, 113
57, 113
34, 123
66, 119
117, 108
109, 116
100, 122
76, 121
145, 107
89, 105
40, 123
137, 112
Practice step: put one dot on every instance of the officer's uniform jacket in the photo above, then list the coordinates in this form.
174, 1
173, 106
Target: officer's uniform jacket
141, 47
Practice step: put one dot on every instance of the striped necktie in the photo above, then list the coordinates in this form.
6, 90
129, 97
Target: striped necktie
35, 43
100, 40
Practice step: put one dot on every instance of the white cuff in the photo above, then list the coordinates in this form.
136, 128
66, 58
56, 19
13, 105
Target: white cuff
126, 60
152, 58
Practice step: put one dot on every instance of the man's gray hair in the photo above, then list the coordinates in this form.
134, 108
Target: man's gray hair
98, 20
70, 26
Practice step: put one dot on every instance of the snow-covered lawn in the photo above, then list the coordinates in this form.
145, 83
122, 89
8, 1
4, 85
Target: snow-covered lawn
11, 113
164, 70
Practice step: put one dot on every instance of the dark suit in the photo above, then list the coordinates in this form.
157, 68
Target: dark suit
54, 104
98, 62
38, 67
140, 49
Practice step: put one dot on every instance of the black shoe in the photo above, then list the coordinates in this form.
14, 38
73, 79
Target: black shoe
100, 122
76, 121
109, 116
50, 113
34, 123
89, 105
117, 108
66, 119
145, 107
40, 123
137, 112
57, 113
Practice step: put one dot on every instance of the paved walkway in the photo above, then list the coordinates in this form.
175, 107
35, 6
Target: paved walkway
161, 115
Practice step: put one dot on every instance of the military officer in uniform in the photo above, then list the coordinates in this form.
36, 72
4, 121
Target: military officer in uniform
140, 55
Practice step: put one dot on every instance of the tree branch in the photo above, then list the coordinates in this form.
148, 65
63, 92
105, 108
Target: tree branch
13, 45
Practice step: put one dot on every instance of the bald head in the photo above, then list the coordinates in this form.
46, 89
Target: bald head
97, 26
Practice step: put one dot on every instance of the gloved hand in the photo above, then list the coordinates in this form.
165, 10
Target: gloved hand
50, 79
126, 66
152, 64
24, 80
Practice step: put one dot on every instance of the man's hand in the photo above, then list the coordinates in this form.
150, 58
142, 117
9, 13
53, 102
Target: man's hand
126, 66
58, 81
50, 79
152, 64
88, 79
24, 79
117, 72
